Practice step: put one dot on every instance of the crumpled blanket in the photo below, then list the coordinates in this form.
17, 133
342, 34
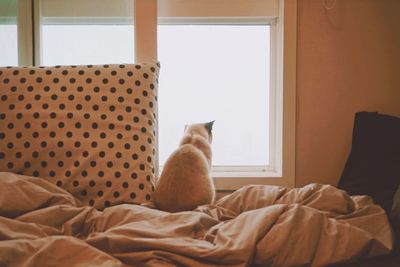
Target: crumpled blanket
317, 225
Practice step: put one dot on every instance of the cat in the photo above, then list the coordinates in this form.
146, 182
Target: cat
185, 182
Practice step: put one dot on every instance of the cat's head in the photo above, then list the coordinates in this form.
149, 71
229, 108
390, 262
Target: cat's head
202, 129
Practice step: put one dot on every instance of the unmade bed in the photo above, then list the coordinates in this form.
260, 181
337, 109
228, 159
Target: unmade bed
77, 162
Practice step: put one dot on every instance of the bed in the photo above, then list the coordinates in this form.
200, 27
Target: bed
77, 173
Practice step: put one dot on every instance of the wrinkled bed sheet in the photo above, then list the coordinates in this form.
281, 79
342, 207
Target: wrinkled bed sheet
317, 225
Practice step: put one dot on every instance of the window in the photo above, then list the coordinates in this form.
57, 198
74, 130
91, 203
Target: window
99, 32
217, 72
223, 60
8, 33
238, 77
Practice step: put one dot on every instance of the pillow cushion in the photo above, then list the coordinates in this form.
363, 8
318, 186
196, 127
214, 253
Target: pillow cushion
88, 129
373, 166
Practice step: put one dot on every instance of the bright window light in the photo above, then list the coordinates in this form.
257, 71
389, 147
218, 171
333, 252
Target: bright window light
87, 44
221, 73
8, 45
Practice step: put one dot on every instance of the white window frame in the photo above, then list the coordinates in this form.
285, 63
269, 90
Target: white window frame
283, 76
281, 170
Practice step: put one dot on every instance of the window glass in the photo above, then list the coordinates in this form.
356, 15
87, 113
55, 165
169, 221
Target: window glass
8, 33
99, 32
221, 73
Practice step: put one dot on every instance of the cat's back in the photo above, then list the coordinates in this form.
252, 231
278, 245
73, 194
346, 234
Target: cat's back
184, 182
187, 162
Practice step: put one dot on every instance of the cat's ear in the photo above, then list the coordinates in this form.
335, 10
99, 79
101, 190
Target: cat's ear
209, 126
186, 126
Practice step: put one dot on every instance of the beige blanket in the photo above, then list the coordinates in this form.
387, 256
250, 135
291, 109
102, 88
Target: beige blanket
317, 225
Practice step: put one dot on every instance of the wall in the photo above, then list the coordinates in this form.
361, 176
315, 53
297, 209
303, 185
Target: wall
348, 60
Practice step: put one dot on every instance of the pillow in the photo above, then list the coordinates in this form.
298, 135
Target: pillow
88, 129
373, 166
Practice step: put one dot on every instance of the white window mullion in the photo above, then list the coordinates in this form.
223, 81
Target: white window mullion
37, 59
145, 30
25, 33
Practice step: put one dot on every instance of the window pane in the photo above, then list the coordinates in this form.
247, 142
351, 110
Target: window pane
8, 33
87, 32
221, 73
87, 44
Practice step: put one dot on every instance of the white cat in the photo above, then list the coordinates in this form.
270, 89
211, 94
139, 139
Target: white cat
185, 182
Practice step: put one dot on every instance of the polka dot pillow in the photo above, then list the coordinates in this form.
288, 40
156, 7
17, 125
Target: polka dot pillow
88, 129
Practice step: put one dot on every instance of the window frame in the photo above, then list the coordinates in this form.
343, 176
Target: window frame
281, 170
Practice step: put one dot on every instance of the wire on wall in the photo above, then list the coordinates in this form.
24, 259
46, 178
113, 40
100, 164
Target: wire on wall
328, 6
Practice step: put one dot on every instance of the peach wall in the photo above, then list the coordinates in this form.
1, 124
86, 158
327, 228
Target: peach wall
348, 60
